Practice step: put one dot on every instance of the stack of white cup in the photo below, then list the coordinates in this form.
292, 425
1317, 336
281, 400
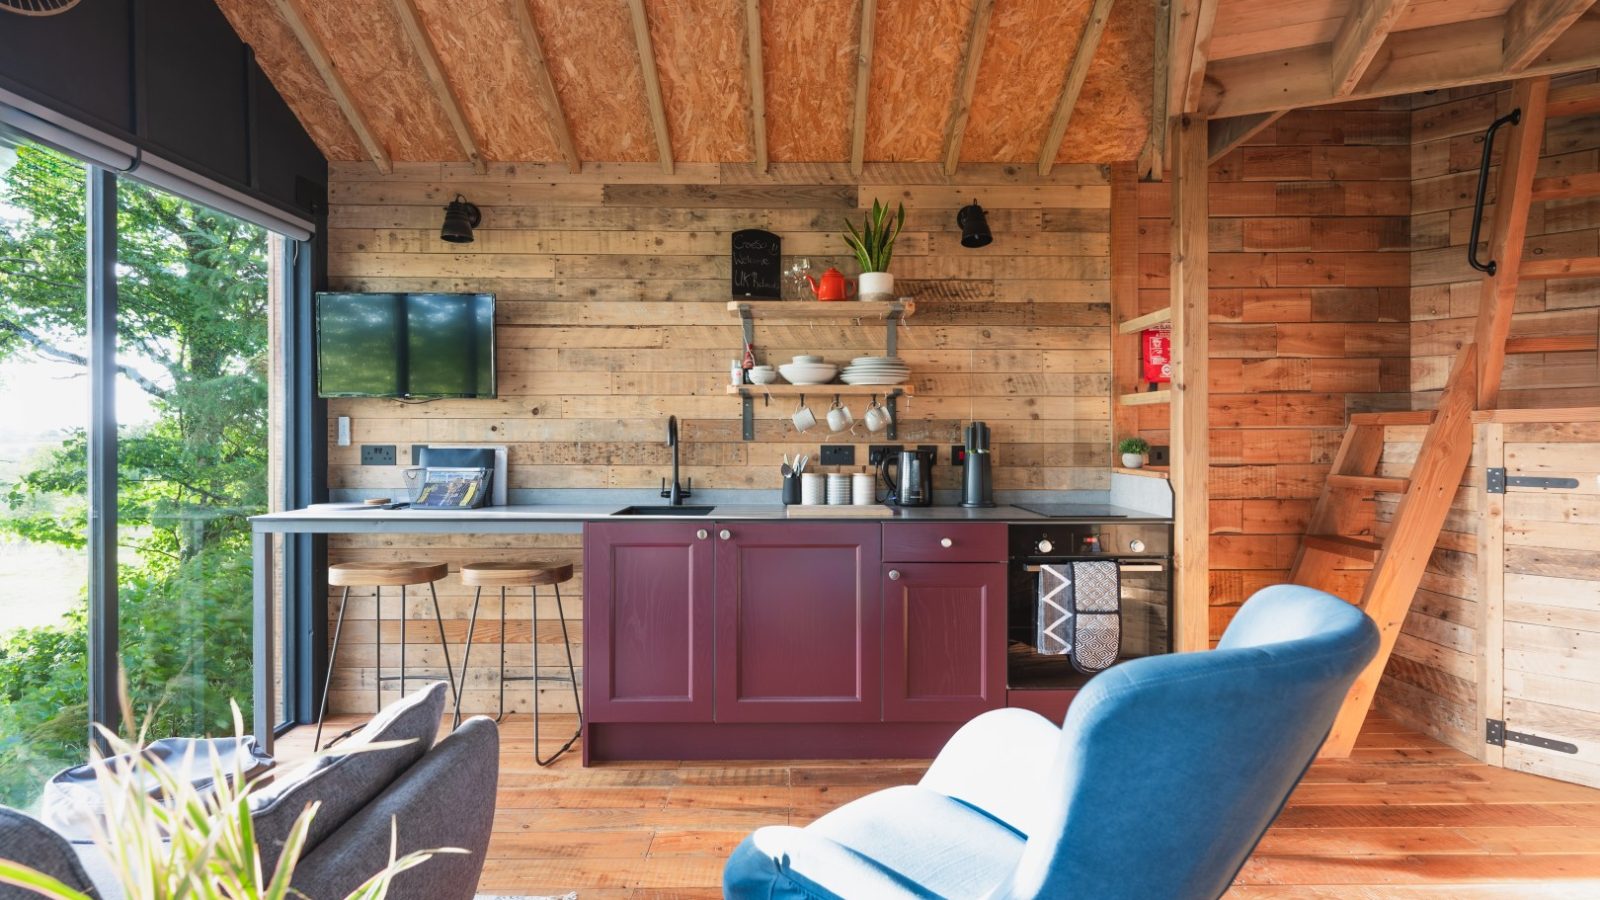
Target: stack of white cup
838, 489
812, 487
863, 489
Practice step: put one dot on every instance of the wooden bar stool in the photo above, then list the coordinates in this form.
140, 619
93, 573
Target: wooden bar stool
379, 575
529, 575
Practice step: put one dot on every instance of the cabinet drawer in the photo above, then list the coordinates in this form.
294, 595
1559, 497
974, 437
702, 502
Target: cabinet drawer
943, 542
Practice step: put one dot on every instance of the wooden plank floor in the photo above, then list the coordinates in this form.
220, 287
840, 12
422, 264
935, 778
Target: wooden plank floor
1405, 817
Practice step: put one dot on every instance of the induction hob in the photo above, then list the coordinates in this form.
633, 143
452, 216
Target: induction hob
1073, 510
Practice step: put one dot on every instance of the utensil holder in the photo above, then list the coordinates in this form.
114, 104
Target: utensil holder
791, 490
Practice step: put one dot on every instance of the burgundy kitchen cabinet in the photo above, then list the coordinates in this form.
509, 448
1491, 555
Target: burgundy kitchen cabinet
799, 622
648, 621
943, 640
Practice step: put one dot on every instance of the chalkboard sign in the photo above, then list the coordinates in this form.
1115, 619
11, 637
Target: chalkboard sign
757, 264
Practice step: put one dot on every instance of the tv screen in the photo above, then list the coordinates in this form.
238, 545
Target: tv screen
405, 345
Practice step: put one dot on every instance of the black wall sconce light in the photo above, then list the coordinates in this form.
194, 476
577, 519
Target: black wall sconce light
974, 226
460, 217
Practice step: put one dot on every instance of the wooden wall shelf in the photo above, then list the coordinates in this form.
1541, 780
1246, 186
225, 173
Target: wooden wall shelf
1148, 320
1146, 472
823, 390
816, 309
1146, 398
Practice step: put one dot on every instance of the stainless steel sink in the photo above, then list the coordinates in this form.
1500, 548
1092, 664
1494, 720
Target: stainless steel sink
664, 511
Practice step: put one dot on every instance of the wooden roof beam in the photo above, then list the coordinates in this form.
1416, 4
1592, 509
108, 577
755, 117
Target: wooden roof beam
1365, 29
858, 127
1077, 72
755, 77
1155, 146
966, 84
336, 86
1226, 134
411, 24
1434, 58
1533, 25
545, 84
652, 83
1189, 53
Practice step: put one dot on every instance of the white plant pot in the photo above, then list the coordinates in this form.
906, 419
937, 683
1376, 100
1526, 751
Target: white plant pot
1133, 460
876, 286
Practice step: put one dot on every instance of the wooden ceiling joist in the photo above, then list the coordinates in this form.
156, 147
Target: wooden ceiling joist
966, 84
546, 86
652, 83
1072, 86
1423, 59
1155, 146
1365, 28
755, 78
858, 127
411, 24
1193, 21
336, 85
1533, 25
1226, 134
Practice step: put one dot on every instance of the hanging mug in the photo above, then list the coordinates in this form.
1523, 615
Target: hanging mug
839, 417
877, 417
804, 419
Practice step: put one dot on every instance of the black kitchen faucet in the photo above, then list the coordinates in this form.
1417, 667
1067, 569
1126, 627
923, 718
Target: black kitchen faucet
677, 493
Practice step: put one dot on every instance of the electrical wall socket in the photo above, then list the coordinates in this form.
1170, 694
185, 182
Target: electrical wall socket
377, 455
876, 452
1160, 456
416, 453
839, 455
344, 431
958, 455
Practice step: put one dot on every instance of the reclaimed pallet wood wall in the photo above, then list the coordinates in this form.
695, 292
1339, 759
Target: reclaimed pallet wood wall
1309, 278
1447, 131
612, 289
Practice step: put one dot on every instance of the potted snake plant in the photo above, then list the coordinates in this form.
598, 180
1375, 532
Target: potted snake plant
873, 246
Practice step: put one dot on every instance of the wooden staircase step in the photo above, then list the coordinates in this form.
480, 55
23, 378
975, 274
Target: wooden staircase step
1373, 483
1573, 100
1575, 267
1396, 417
1567, 187
1363, 549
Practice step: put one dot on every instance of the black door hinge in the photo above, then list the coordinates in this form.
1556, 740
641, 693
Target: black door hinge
1496, 481
1495, 733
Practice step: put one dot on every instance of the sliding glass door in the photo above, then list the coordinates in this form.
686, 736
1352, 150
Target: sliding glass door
166, 600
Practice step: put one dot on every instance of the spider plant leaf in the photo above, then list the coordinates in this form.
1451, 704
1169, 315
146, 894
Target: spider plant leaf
21, 876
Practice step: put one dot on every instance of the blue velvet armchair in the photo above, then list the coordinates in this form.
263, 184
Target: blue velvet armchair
1163, 778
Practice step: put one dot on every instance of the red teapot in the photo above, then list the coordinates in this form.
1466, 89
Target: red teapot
832, 286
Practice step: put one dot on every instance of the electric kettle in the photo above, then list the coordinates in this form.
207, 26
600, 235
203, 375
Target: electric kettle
914, 484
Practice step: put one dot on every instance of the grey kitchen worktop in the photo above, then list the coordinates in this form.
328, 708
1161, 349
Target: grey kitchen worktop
354, 517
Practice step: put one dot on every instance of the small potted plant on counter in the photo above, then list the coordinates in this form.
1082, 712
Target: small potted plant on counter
873, 246
1133, 450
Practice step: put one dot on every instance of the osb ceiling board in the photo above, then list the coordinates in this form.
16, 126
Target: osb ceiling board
485, 61
1112, 119
594, 62
809, 55
289, 69
1248, 27
916, 51
384, 75
700, 57
1024, 64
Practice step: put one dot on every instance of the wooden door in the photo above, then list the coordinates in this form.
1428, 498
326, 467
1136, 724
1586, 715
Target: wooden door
799, 622
647, 614
1544, 611
944, 640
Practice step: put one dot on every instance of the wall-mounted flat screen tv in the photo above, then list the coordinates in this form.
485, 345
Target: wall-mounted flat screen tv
405, 345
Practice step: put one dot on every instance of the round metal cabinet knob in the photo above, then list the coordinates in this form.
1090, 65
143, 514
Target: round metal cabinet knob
894, 574
946, 543
724, 534
702, 534
1046, 546
1136, 545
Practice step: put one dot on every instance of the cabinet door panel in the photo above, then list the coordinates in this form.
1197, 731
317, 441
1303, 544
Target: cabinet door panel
944, 640
647, 622
798, 623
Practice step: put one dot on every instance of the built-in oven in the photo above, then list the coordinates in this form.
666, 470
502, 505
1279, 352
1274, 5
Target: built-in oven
1141, 554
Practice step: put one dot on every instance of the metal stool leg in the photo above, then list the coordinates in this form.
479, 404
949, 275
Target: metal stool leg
502, 713
466, 658
377, 637
333, 654
444, 647
403, 617
571, 671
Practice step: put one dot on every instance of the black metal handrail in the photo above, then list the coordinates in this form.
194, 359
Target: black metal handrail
1514, 117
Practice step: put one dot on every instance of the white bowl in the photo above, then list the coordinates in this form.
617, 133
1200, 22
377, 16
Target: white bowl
757, 376
821, 373
807, 360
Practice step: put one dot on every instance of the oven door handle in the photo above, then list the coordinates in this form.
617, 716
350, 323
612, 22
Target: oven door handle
1121, 567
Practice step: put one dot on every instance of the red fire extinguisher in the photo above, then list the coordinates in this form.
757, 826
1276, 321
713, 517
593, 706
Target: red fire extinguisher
1156, 353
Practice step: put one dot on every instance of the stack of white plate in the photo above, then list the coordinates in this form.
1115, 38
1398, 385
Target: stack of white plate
876, 370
